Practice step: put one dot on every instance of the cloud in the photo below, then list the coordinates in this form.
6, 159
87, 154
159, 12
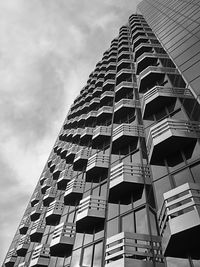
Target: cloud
47, 50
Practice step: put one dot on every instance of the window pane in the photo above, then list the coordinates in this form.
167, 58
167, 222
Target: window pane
87, 256
141, 221
98, 254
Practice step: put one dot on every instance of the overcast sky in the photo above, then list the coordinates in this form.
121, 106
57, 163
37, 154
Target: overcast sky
47, 50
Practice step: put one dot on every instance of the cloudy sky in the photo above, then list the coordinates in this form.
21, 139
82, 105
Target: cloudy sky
47, 50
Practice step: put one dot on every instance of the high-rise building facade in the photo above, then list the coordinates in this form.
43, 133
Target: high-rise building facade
121, 186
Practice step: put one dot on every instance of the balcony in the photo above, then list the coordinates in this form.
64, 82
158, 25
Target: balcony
11, 258
130, 249
23, 264
97, 92
71, 153
97, 163
81, 158
47, 183
179, 221
168, 136
86, 134
147, 59
74, 191
23, 246
123, 89
159, 97
125, 134
50, 195
36, 212
101, 135
40, 256
124, 74
108, 85
104, 113
91, 116
124, 107
90, 214
99, 82
24, 225
145, 47
37, 230
62, 240
76, 134
58, 169
151, 75
36, 198
54, 212
94, 103
126, 180
64, 179
106, 97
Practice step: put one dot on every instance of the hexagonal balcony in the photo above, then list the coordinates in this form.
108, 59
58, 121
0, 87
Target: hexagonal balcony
124, 134
63, 240
71, 153
76, 135
179, 221
125, 107
58, 168
86, 134
106, 97
123, 89
50, 195
127, 179
90, 214
35, 198
159, 97
11, 258
47, 183
130, 249
74, 191
54, 212
151, 75
24, 225
40, 256
97, 163
101, 134
81, 158
108, 85
169, 136
65, 177
94, 103
37, 230
91, 116
36, 211
104, 113
23, 245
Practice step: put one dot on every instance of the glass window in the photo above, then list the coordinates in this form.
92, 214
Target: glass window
87, 256
141, 221
195, 169
98, 249
113, 227
127, 223
182, 177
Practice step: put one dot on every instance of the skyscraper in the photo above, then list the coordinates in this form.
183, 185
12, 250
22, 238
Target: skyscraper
121, 185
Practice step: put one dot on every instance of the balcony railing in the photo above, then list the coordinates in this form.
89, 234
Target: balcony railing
71, 153
50, 195
126, 133
81, 158
36, 211
54, 212
97, 163
130, 249
127, 179
159, 96
179, 221
152, 74
65, 177
47, 183
40, 256
11, 258
36, 198
101, 133
24, 225
169, 136
90, 214
74, 191
23, 245
104, 112
124, 106
62, 240
37, 230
